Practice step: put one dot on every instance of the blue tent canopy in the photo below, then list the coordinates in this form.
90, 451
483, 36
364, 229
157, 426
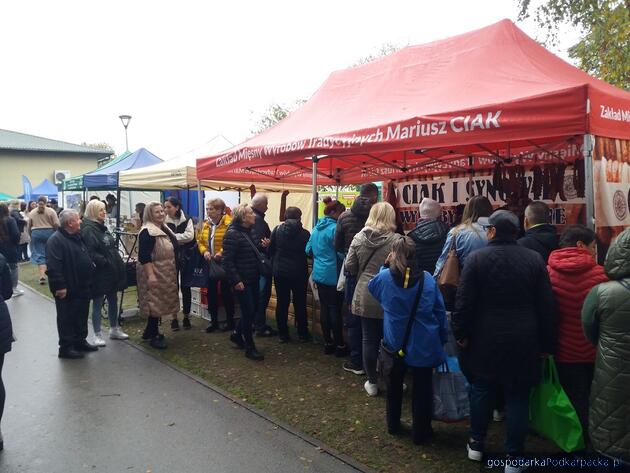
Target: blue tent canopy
106, 177
46, 188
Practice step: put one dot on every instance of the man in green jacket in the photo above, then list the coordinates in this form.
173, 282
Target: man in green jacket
606, 323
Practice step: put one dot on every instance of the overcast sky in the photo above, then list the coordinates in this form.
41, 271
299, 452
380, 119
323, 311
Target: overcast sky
189, 70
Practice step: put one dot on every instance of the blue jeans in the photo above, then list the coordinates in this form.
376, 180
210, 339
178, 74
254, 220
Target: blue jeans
482, 398
264, 294
112, 311
248, 298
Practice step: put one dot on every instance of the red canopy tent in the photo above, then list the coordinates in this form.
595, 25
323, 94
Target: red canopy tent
446, 106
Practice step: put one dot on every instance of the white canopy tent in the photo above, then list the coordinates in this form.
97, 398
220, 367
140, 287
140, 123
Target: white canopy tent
180, 172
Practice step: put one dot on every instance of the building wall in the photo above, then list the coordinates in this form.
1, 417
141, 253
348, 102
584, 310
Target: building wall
38, 166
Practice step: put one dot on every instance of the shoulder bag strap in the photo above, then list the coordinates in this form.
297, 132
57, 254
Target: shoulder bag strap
366, 263
249, 240
624, 284
412, 315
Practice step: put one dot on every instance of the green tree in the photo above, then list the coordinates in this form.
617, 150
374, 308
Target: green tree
604, 48
384, 50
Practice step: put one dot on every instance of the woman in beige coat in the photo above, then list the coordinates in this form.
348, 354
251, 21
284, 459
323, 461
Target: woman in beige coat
367, 253
158, 293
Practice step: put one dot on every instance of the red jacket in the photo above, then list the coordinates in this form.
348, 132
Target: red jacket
573, 273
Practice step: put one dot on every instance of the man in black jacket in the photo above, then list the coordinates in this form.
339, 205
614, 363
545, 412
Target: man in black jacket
429, 235
503, 322
540, 235
349, 224
70, 271
261, 234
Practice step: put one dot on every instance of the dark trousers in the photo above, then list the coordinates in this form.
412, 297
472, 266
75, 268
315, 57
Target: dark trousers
3, 393
186, 295
421, 400
330, 301
264, 295
287, 288
72, 320
482, 399
576, 380
213, 302
248, 299
353, 324
23, 252
372, 334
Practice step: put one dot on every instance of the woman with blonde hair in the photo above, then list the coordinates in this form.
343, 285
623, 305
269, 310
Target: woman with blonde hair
210, 245
157, 273
368, 251
109, 275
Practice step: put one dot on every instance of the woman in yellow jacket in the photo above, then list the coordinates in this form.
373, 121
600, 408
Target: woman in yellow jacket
210, 244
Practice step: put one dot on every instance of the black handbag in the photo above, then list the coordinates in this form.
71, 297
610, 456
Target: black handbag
386, 357
264, 263
216, 271
195, 273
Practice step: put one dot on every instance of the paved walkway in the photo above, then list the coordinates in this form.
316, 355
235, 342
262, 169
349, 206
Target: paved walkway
121, 410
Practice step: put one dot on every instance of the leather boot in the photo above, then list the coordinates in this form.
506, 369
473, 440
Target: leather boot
253, 354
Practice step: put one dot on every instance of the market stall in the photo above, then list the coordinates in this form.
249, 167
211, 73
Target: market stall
491, 101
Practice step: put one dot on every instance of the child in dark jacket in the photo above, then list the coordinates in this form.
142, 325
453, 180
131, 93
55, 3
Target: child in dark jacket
395, 287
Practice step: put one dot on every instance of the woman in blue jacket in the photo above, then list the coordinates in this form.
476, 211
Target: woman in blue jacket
326, 262
395, 287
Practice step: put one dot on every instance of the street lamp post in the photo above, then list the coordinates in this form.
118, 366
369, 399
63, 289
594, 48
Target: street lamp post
125, 121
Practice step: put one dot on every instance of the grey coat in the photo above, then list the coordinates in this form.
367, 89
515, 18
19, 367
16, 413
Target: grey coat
367, 253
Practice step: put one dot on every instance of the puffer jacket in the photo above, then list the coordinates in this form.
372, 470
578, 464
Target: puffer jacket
573, 273
504, 308
219, 234
469, 239
240, 260
351, 222
428, 332
320, 247
110, 274
543, 239
366, 255
6, 288
288, 250
260, 230
606, 322
429, 237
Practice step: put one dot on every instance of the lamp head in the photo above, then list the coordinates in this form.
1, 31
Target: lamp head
125, 120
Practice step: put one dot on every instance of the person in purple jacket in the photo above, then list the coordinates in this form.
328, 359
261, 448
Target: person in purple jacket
395, 288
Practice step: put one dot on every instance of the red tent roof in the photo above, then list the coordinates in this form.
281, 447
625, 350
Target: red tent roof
493, 91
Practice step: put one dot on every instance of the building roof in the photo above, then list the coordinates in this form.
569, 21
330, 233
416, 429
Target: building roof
15, 141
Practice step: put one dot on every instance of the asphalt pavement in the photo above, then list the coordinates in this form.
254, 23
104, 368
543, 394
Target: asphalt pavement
122, 410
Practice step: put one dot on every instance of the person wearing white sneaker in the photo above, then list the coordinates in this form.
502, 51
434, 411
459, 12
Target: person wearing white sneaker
371, 388
110, 273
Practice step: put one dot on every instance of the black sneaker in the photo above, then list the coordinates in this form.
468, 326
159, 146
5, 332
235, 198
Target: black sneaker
186, 323
266, 332
237, 340
342, 351
354, 369
330, 349
158, 342
174, 325
211, 328
305, 338
475, 450
284, 339
254, 354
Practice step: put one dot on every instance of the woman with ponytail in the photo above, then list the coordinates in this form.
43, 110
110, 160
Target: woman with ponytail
395, 287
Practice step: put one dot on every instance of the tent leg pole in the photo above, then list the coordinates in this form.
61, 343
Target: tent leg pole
117, 207
589, 193
200, 204
314, 191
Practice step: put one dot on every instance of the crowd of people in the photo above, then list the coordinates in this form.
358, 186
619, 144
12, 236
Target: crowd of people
524, 292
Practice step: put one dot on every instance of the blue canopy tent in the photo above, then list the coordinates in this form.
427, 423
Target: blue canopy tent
46, 188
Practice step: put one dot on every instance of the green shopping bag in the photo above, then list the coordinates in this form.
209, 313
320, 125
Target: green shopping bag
551, 414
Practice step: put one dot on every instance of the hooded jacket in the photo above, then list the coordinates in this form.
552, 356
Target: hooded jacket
606, 322
543, 239
110, 274
366, 255
429, 237
320, 247
351, 222
504, 308
573, 273
288, 250
428, 331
